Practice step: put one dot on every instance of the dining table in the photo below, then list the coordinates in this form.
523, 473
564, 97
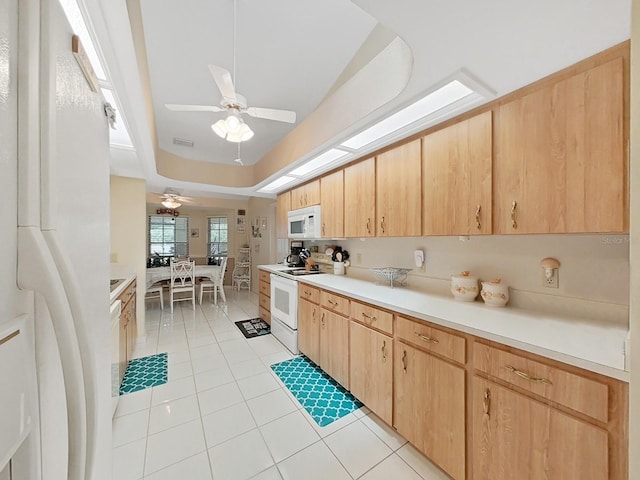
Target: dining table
157, 274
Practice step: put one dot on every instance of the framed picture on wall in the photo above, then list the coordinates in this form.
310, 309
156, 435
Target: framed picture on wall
195, 233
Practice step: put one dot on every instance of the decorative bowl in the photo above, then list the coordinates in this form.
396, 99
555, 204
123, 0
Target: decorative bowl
391, 276
464, 287
495, 293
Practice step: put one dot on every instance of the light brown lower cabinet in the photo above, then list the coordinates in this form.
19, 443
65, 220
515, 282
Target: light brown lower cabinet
515, 436
334, 346
371, 369
429, 407
309, 330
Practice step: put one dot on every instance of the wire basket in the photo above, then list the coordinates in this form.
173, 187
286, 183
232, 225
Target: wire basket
391, 276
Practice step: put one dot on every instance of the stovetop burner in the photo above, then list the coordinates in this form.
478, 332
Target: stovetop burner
301, 272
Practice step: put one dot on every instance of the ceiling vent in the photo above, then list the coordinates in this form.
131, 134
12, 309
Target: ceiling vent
183, 142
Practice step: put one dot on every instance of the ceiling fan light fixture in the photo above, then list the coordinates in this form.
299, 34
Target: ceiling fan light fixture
240, 134
171, 203
233, 121
220, 128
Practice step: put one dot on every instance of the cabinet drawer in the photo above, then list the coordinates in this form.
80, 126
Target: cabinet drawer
430, 338
265, 314
311, 294
334, 303
579, 393
265, 302
265, 276
265, 288
372, 317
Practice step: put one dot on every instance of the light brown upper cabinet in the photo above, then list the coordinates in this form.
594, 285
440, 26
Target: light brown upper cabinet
332, 201
560, 164
399, 191
283, 205
306, 195
457, 178
360, 199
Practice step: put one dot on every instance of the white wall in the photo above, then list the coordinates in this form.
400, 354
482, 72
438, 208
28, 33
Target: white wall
263, 244
593, 275
128, 235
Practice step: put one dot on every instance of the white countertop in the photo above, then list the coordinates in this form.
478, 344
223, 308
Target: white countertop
592, 345
125, 272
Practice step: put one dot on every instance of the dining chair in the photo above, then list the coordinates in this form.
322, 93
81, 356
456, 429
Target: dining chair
182, 275
155, 291
216, 284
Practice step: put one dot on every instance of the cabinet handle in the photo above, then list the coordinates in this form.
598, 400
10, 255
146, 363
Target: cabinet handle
382, 224
301, 200
331, 302
486, 402
307, 293
526, 376
313, 315
373, 319
384, 354
322, 319
368, 225
306, 199
404, 361
323, 229
514, 205
427, 339
478, 217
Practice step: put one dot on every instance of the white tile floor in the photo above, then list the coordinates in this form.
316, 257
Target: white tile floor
224, 415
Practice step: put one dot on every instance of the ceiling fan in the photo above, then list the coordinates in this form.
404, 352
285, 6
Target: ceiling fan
173, 200
233, 128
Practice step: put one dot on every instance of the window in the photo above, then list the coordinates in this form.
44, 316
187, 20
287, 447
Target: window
168, 236
217, 238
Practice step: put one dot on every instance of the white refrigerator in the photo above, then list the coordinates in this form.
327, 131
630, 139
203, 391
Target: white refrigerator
55, 401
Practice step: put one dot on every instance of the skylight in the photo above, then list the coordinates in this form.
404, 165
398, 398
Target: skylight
444, 96
74, 16
277, 183
323, 160
118, 136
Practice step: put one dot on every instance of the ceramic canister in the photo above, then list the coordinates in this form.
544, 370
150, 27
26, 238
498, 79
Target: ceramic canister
464, 287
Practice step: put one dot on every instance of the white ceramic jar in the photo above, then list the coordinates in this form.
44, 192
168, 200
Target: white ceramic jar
495, 293
464, 287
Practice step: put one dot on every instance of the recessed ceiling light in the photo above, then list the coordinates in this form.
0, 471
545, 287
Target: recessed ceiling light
322, 160
276, 184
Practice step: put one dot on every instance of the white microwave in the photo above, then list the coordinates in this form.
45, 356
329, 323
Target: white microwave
305, 223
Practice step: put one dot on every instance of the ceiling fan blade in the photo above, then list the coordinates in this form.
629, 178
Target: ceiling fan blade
193, 108
272, 114
224, 81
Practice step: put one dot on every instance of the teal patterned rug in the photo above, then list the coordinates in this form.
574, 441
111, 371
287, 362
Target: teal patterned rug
145, 372
320, 395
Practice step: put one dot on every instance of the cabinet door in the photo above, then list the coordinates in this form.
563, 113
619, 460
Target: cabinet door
283, 205
517, 437
309, 330
360, 199
312, 193
457, 178
297, 198
371, 369
560, 164
399, 191
334, 346
332, 201
429, 407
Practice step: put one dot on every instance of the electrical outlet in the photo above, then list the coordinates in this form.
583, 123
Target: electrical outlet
358, 258
552, 281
